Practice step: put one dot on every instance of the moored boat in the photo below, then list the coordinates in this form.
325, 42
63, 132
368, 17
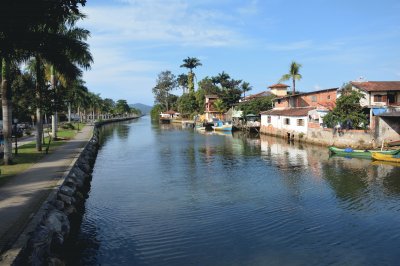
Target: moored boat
395, 158
366, 154
221, 126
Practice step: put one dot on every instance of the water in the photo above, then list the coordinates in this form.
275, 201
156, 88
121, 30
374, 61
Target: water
166, 196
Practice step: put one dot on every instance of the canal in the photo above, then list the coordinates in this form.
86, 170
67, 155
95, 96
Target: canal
161, 195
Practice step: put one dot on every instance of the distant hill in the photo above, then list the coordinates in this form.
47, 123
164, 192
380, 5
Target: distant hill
142, 107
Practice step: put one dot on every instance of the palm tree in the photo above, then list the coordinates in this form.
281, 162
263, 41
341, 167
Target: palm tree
293, 75
219, 106
19, 40
190, 63
246, 87
65, 50
222, 79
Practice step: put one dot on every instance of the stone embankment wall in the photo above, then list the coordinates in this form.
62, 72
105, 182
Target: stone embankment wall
63, 211
362, 139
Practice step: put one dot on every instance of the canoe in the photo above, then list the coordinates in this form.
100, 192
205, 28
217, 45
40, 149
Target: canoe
386, 157
366, 154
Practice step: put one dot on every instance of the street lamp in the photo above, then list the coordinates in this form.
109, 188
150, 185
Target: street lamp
16, 135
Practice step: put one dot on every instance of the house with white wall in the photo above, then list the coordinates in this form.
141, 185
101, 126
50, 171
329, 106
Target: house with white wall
381, 99
285, 120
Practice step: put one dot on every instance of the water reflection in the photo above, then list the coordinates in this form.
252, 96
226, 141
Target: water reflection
163, 195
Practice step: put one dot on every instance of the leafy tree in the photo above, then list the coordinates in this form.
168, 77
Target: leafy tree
190, 63
183, 82
23, 103
135, 111
348, 112
165, 82
257, 105
122, 107
187, 103
155, 111
293, 75
209, 86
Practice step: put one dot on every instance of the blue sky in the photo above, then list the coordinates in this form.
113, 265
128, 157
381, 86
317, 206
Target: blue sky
336, 41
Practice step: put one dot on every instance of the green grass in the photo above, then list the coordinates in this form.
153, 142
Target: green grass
27, 154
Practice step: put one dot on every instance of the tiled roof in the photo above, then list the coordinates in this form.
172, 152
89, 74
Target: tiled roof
301, 111
377, 85
170, 112
257, 95
327, 105
279, 86
307, 93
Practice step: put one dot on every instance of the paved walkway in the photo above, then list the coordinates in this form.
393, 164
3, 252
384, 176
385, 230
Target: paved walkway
22, 196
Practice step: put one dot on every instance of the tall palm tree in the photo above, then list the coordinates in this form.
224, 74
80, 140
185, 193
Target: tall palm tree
65, 50
245, 87
293, 75
222, 79
19, 40
190, 63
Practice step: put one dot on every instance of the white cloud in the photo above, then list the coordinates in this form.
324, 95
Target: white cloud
172, 22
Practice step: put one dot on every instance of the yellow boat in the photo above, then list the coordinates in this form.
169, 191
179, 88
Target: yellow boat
386, 157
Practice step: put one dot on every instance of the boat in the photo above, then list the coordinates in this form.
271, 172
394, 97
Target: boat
394, 158
221, 126
200, 127
366, 154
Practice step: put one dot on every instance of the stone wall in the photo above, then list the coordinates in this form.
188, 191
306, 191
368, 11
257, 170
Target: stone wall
327, 136
62, 212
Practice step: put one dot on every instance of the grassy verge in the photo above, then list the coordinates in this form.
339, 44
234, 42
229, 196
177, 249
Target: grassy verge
27, 154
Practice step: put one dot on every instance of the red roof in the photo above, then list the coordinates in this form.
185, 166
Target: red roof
377, 85
258, 95
279, 86
301, 111
170, 112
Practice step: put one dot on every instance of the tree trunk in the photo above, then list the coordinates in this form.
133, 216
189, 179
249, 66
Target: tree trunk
7, 110
54, 120
39, 122
294, 86
69, 112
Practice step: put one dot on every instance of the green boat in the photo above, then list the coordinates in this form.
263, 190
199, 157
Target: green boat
366, 154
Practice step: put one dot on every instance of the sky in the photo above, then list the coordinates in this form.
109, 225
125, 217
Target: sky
335, 41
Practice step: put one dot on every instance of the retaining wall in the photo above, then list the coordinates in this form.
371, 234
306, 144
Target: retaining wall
363, 139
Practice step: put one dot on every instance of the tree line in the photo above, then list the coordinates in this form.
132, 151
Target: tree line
229, 90
43, 36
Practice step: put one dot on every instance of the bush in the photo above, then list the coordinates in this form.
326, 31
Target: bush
67, 126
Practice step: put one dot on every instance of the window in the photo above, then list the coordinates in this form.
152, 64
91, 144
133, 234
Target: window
287, 121
380, 98
329, 97
279, 101
314, 98
300, 122
269, 119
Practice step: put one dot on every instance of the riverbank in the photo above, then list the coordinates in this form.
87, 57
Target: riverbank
357, 139
25, 199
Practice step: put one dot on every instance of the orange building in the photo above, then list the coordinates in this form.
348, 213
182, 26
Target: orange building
322, 98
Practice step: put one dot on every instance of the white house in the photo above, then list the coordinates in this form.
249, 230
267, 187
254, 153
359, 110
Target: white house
291, 120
